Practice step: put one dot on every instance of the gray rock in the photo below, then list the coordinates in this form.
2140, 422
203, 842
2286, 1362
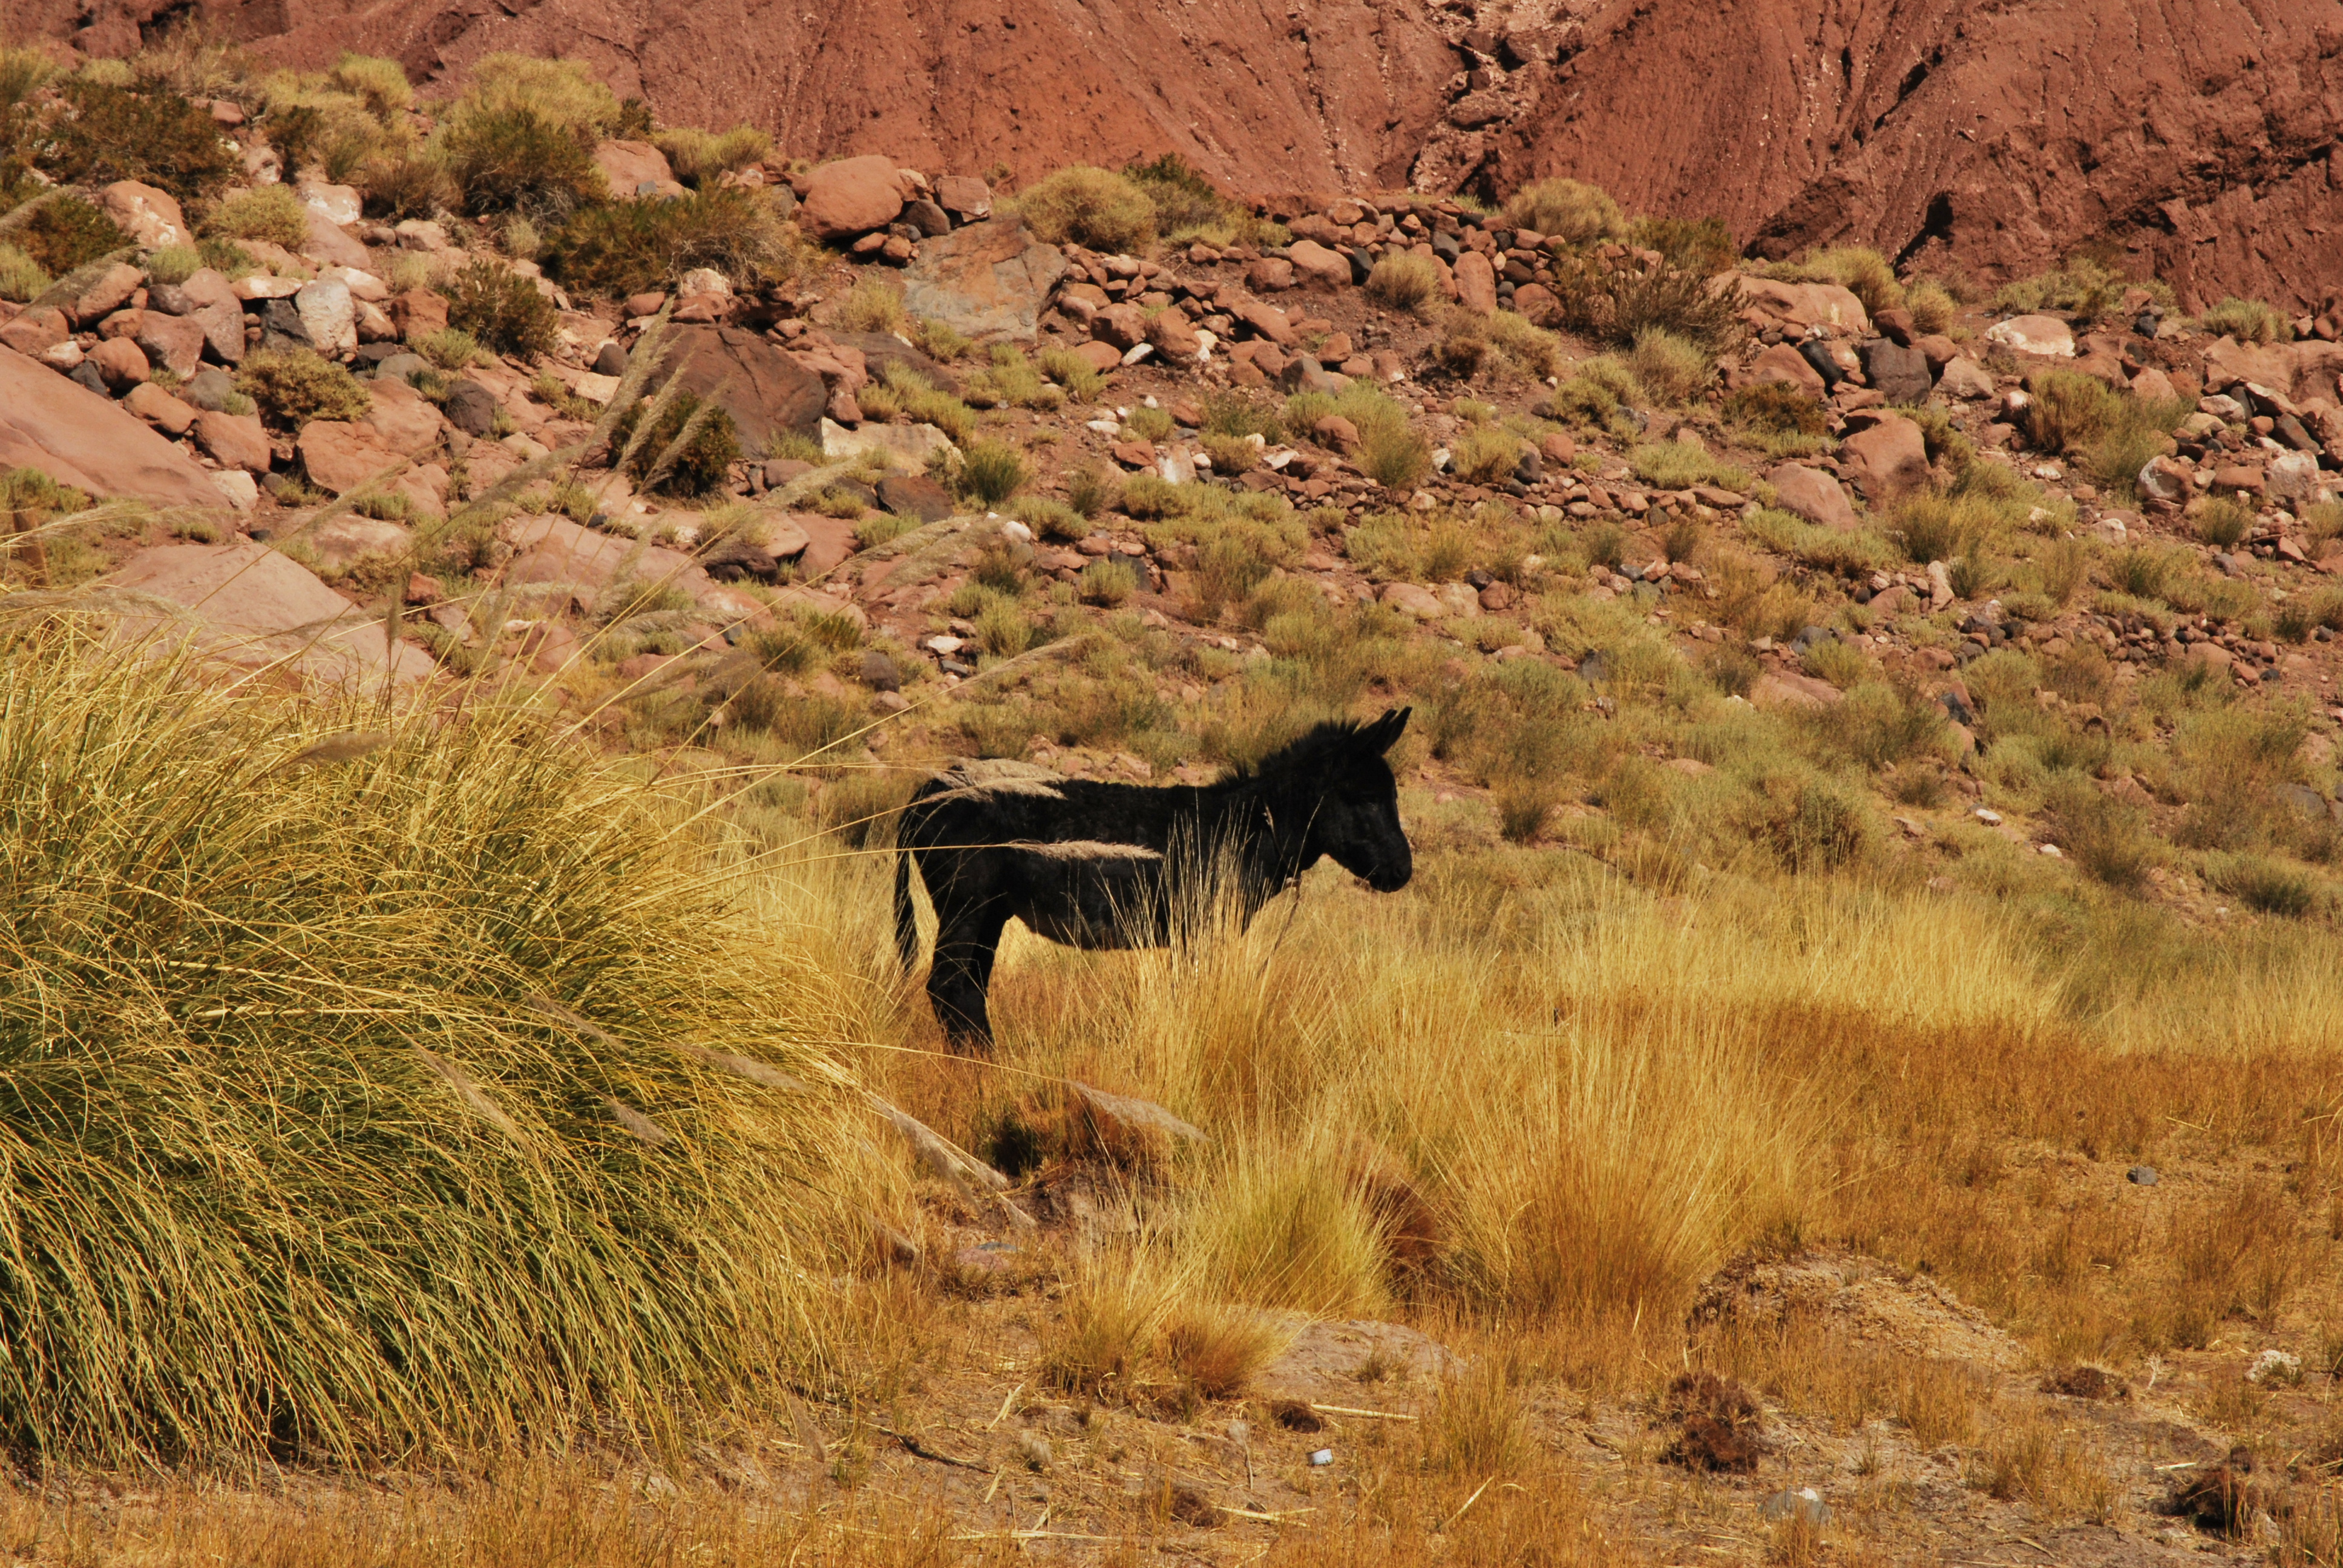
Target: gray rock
209, 389
85, 375
401, 368
2141, 1175
1899, 372
1817, 354
766, 392
281, 326
988, 279
878, 672
739, 560
329, 315
1594, 668
1034, 1449
610, 361
470, 408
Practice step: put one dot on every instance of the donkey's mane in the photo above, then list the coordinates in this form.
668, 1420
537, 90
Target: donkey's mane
1321, 745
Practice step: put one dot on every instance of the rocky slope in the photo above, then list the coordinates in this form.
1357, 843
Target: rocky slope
2193, 135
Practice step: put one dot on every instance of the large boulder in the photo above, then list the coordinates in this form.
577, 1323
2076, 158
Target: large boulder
851, 196
151, 217
2045, 336
767, 392
1812, 494
1800, 306
554, 553
330, 246
987, 280
341, 456
1784, 364
207, 299
629, 166
1900, 373
249, 605
1887, 457
82, 439
1476, 283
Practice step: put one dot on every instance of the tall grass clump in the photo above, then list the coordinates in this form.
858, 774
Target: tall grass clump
1092, 206
378, 1081
1569, 210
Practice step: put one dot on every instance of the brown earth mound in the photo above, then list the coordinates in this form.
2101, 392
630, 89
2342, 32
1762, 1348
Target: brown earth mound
2193, 137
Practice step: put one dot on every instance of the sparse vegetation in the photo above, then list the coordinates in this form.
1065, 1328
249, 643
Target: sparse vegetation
1090, 207
1569, 210
2246, 320
294, 386
502, 310
1403, 281
628, 246
270, 213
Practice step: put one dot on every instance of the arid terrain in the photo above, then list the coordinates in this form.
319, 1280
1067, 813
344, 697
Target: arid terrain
492, 541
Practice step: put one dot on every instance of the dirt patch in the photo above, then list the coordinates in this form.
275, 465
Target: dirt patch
1868, 1302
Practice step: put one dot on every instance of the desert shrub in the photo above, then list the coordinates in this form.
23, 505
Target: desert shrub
23, 73
1600, 389
2223, 522
629, 247
875, 303
294, 385
562, 93
1231, 455
394, 1319
1069, 370
1811, 823
1151, 424
518, 160
151, 134
450, 348
66, 232
990, 472
2271, 887
1394, 457
1148, 497
688, 449
1403, 281
503, 310
1673, 369
1089, 206
1679, 466
1615, 304
1777, 408
1932, 306
1487, 455
2106, 839
227, 258
1696, 245
2084, 287
699, 157
404, 184
1009, 380
921, 400
1568, 210
22, 279
1107, 583
1860, 270
1090, 490
382, 83
1187, 205
2247, 321
2112, 433
270, 213
173, 264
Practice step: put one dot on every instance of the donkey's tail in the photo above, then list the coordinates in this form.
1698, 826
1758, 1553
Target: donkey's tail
907, 918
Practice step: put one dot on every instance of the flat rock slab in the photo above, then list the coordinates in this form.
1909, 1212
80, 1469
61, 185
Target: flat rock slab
79, 438
1361, 1364
988, 281
766, 391
553, 552
250, 607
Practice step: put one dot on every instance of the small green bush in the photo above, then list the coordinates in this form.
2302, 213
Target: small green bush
1090, 490
66, 232
1187, 205
1107, 583
227, 258
450, 348
151, 134
294, 385
1404, 281
1860, 270
1089, 206
699, 157
2223, 522
1674, 368
631, 247
1679, 466
1069, 370
1486, 455
1615, 304
688, 450
875, 303
1696, 245
560, 93
1568, 210
2269, 886
990, 472
2247, 321
1932, 306
382, 83
269, 213
518, 160
21, 278
503, 310
173, 264
1150, 496
1394, 457
404, 184
1776, 409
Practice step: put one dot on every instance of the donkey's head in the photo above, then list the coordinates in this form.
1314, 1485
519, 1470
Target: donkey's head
1336, 775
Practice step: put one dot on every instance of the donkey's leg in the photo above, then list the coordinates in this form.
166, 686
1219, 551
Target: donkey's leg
962, 971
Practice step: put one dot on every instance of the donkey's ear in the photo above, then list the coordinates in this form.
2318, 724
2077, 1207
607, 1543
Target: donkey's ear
1384, 732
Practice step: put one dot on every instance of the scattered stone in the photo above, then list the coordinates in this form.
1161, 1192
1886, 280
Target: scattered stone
1476, 283
418, 313
1418, 603
1124, 325
1318, 267
150, 218
1784, 364
878, 672
159, 408
1898, 372
2141, 1176
918, 445
328, 317
119, 363
235, 441
402, 418
768, 393
104, 293
256, 607
341, 456
470, 408
209, 388
611, 360
174, 342
635, 170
